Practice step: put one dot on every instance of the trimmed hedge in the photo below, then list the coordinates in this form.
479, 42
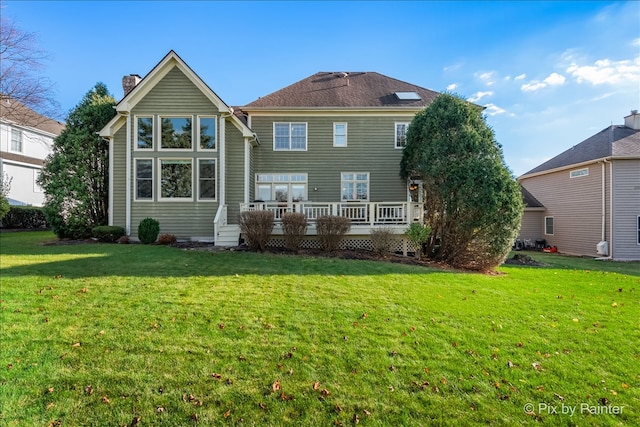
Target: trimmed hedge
25, 217
108, 233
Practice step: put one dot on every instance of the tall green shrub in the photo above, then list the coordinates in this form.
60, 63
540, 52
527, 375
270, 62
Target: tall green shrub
148, 230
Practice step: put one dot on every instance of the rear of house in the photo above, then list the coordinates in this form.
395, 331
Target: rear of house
590, 195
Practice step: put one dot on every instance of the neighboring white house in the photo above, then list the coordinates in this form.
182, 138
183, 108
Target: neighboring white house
26, 139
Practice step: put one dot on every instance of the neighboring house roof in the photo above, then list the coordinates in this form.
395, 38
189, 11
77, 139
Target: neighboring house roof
15, 112
347, 90
529, 200
613, 141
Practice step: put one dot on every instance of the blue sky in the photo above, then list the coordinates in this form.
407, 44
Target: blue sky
550, 74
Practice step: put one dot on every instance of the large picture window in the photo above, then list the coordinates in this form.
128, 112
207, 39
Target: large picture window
355, 185
401, 134
207, 179
281, 187
144, 179
290, 136
176, 179
176, 133
144, 133
207, 133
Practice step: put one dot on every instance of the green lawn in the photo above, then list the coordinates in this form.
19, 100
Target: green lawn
101, 334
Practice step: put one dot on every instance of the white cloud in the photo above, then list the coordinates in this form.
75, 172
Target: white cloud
487, 77
520, 77
635, 42
532, 87
555, 79
605, 71
494, 110
479, 95
452, 86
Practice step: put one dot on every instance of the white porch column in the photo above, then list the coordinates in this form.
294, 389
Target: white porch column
128, 177
222, 157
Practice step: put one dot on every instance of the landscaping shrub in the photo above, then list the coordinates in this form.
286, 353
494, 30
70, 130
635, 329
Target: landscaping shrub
256, 227
383, 240
167, 239
331, 229
418, 234
294, 227
26, 217
148, 230
124, 240
108, 233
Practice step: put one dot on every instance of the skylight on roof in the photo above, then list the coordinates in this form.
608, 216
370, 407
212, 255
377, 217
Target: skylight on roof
408, 96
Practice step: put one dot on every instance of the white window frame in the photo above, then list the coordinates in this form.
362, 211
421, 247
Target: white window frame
215, 180
638, 230
553, 226
215, 134
135, 179
577, 173
395, 134
290, 124
19, 140
355, 181
290, 179
135, 132
335, 134
159, 184
159, 131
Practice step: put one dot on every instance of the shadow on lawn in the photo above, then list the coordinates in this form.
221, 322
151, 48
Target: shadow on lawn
90, 259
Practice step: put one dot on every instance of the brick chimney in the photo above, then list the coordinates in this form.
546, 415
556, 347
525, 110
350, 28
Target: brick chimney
633, 120
129, 82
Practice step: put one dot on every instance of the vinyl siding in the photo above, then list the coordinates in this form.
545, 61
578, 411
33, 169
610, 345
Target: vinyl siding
175, 94
626, 208
119, 162
235, 172
532, 225
576, 206
370, 148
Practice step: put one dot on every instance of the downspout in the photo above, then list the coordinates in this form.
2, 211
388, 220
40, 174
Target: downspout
603, 235
610, 209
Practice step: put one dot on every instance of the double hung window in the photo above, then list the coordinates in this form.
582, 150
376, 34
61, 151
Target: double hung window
16, 140
401, 134
290, 136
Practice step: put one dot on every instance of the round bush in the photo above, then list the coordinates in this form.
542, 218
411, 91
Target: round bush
148, 230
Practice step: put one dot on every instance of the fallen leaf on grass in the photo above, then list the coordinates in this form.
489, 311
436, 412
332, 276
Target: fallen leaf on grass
135, 421
561, 398
50, 390
316, 385
226, 414
216, 376
367, 413
77, 344
356, 419
105, 399
275, 386
194, 417
50, 405
537, 366
325, 392
338, 408
159, 409
443, 380
284, 396
262, 406
625, 386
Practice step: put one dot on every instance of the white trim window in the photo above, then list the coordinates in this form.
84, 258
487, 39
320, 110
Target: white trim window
339, 134
638, 230
144, 179
144, 133
176, 133
207, 180
578, 173
549, 226
289, 136
16, 140
176, 179
354, 185
401, 134
281, 187
207, 140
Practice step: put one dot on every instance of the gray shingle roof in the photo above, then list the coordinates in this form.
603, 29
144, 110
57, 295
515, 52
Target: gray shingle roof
615, 140
345, 90
529, 200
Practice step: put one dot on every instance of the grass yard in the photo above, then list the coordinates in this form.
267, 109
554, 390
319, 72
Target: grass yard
99, 334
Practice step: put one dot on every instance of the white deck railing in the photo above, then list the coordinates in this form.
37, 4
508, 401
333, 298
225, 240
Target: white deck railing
360, 213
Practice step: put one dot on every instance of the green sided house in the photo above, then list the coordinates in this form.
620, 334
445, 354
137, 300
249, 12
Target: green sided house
330, 144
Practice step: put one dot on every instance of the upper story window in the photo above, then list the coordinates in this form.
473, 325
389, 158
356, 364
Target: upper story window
579, 172
207, 133
290, 136
176, 133
339, 134
355, 186
401, 134
16, 140
144, 133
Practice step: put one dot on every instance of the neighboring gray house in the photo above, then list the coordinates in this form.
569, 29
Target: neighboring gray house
26, 139
328, 144
587, 199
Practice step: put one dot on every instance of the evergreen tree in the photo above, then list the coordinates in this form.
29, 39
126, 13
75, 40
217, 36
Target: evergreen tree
473, 203
75, 177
